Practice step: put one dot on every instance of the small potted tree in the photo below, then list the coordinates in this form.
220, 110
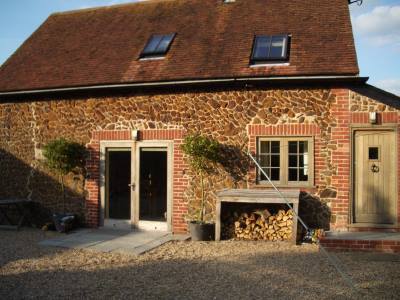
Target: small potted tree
202, 154
63, 157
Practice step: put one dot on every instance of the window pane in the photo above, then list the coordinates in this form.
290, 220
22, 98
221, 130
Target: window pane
277, 47
152, 44
303, 176
275, 147
158, 44
275, 160
292, 174
270, 48
266, 170
265, 160
163, 46
293, 160
303, 146
264, 147
301, 161
373, 153
262, 177
270, 159
275, 174
293, 147
261, 47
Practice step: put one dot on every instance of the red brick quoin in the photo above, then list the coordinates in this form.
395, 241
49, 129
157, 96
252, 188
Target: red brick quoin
92, 185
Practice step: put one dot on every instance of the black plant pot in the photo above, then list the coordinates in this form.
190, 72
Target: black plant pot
64, 222
202, 231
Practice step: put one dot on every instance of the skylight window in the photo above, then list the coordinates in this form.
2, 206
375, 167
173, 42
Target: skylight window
270, 48
158, 45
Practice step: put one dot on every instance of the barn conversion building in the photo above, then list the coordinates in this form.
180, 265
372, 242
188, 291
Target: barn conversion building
277, 78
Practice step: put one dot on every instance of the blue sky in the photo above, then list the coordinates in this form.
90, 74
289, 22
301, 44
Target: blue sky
376, 26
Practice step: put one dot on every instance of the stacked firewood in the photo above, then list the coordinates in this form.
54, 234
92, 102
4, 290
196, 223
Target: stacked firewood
262, 225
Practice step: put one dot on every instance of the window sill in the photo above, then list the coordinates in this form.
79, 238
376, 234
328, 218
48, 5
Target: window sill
266, 64
152, 58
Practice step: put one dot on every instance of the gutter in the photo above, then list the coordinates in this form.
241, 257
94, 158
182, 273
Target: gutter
294, 79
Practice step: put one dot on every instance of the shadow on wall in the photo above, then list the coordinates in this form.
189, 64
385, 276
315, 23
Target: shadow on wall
375, 206
18, 180
230, 172
314, 212
235, 162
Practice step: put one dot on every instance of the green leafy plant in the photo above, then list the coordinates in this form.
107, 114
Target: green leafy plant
63, 157
203, 152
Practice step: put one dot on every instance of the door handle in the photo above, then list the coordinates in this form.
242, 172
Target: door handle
374, 168
132, 185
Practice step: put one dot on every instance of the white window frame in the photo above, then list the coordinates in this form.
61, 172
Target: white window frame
284, 161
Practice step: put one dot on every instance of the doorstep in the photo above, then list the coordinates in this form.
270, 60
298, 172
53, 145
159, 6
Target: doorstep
362, 241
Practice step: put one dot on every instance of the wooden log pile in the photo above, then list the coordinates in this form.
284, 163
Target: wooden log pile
261, 225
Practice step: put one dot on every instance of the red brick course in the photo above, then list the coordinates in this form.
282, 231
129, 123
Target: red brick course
388, 246
382, 117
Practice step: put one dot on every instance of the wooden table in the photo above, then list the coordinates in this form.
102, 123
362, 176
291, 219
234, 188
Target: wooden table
257, 196
20, 207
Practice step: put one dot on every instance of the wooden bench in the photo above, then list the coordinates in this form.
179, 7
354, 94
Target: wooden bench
13, 205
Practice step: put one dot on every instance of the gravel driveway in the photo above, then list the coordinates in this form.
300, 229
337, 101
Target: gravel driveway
188, 270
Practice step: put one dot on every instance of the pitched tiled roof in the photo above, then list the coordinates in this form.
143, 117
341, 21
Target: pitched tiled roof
214, 40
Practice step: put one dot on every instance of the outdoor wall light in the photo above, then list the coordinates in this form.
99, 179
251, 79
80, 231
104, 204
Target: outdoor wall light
135, 134
372, 117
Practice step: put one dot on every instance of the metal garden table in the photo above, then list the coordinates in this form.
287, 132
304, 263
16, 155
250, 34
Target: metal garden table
13, 205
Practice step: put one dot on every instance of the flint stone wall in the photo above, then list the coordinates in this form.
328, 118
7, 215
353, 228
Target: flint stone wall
25, 126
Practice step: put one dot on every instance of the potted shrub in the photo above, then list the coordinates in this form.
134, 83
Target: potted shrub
63, 157
202, 154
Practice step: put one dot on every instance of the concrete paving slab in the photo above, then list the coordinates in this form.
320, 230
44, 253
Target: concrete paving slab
111, 240
181, 237
51, 243
78, 240
139, 248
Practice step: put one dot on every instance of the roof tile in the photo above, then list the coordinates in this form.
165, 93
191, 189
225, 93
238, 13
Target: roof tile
214, 40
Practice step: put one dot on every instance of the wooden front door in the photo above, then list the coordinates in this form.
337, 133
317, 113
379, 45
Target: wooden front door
374, 177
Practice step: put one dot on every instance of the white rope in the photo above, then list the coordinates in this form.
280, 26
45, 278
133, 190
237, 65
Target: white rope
336, 264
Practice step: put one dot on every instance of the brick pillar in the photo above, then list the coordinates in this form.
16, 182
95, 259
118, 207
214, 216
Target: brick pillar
92, 185
180, 182
341, 159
